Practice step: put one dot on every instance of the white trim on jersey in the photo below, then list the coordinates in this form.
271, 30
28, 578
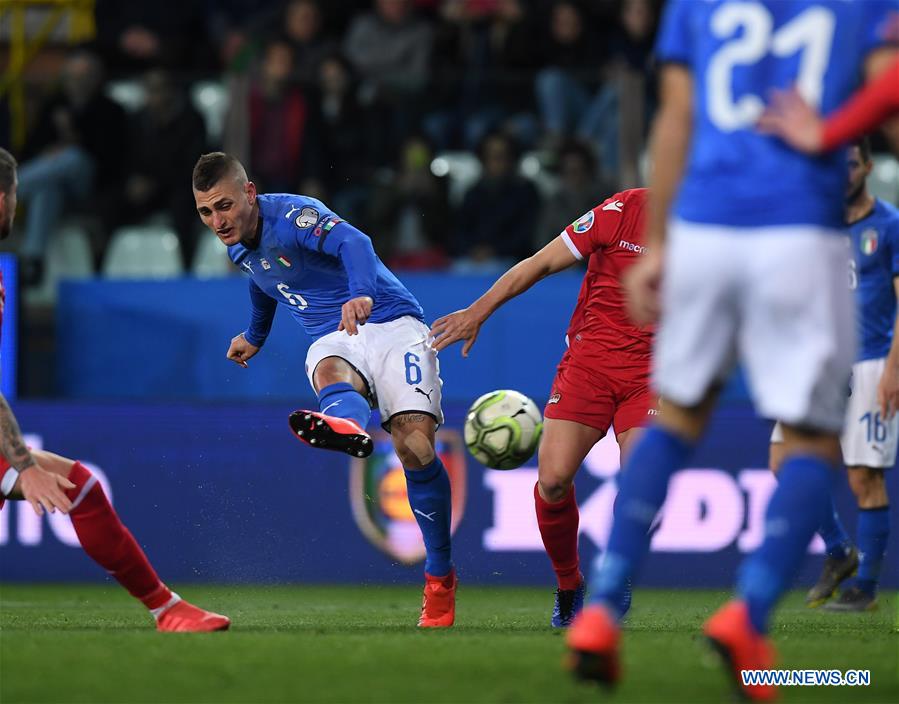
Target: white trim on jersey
566, 238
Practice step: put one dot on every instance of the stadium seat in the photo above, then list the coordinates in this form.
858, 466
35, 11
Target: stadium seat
68, 257
210, 98
129, 94
884, 180
211, 258
143, 252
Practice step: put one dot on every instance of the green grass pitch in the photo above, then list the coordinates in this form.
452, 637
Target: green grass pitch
359, 644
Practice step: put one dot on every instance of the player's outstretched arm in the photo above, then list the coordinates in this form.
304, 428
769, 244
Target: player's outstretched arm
42, 489
799, 125
465, 324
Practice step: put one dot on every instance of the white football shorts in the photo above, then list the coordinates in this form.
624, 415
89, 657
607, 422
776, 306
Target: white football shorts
395, 359
775, 298
868, 439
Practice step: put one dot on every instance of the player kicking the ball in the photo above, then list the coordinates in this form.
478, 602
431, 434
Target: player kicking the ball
49, 483
602, 380
754, 264
371, 345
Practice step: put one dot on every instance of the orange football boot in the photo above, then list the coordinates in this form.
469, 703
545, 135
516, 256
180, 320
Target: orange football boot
593, 644
331, 433
742, 648
183, 617
438, 603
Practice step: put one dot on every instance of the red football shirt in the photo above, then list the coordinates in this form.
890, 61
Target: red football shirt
601, 333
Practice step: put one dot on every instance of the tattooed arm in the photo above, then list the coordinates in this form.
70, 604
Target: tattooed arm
42, 489
12, 444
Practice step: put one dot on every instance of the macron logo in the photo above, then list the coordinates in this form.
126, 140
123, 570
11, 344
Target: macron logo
631, 247
615, 205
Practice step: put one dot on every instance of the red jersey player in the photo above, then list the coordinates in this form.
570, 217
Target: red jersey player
50, 482
602, 380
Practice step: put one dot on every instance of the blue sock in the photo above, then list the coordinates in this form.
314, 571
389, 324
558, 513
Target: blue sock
872, 533
795, 511
343, 401
836, 541
644, 485
432, 505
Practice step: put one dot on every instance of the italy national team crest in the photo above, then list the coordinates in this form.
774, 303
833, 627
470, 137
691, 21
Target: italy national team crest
868, 242
583, 223
380, 503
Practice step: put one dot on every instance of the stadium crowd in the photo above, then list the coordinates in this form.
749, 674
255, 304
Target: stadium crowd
351, 101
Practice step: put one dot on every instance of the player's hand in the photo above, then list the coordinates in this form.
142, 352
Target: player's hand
461, 325
44, 490
354, 313
641, 283
240, 351
888, 391
793, 120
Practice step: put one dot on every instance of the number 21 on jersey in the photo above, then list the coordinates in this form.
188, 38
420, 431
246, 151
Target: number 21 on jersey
751, 25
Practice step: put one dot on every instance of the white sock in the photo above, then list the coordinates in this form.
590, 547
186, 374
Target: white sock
166, 606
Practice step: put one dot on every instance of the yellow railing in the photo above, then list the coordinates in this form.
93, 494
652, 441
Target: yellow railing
24, 46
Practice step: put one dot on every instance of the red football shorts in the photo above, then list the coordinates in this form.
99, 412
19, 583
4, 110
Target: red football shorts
600, 400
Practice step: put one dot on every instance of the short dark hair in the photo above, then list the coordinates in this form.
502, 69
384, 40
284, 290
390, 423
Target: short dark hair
864, 148
212, 168
7, 170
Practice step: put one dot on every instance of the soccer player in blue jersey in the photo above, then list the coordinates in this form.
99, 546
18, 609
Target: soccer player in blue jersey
871, 431
749, 235
370, 348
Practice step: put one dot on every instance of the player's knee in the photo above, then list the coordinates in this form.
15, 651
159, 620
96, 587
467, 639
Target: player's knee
867, 484
554, 486
414, 440
334, 370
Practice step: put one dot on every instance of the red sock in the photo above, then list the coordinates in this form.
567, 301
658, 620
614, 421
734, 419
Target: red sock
110, 544
558, 527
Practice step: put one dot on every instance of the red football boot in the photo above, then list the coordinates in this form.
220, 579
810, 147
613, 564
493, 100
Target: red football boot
438, 604
331, 433
593, 644
187, 618
742, 648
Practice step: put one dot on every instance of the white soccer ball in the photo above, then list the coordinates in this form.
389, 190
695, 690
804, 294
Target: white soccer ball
502, 429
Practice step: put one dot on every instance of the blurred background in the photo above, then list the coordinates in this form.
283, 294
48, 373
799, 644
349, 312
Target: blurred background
461, 135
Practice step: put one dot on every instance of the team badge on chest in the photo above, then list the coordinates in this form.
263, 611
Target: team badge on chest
868, 242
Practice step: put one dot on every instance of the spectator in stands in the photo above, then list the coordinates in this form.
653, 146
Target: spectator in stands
341, 140
565, 103
167, 134
580, 189
495, 224
302, 27
484, 72
278, 117
571, 72
390, 49
234, 26
136, 35
409, 213
75, 153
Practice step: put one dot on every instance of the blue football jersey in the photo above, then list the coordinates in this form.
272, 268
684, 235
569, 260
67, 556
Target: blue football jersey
875, 250
736, 53
312, 262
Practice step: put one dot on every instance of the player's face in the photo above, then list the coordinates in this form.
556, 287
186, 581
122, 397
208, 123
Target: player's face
858, 173
228, 209
8, 210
